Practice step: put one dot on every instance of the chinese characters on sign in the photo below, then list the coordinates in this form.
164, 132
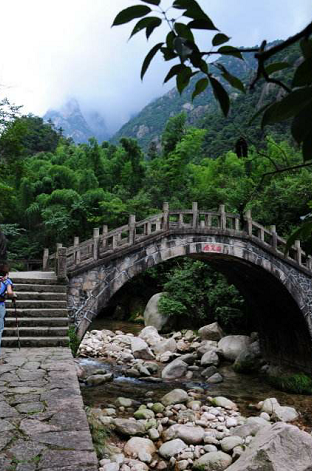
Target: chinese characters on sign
212, 248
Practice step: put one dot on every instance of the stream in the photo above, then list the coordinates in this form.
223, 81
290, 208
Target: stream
242, 389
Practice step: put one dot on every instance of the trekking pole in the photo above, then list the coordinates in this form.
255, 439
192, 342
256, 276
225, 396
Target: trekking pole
17, 328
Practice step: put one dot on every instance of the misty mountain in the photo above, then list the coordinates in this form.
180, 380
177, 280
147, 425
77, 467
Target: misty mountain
76, 125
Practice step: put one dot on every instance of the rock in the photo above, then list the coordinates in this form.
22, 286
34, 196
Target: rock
111, 467
165, 357
175, 369
284, 414
153, 434
123, 402
232, 345
140, 349
150, 335
214, 461
188, 358
249, 359
279, 447
206, 346
158, 407
176, 396
137, 444
250, 429
189, 434
144, 414
171, 448
129, 427
211, 332
152, 316
209, 358
96, 380
228, 443
269, 405
166, 345
207, 372
221, 401
215, 379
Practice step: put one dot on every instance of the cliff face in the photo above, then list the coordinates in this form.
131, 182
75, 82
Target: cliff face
75, 125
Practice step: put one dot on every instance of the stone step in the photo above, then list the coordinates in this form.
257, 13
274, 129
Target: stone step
36, 321
34, 281
36, 342
20, 287
44, 296
36, 332
37, 304
35, 313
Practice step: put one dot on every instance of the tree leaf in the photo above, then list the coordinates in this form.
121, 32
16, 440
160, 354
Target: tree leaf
302, 232
130, 14
151, 27
169, 39
221, 95
176, 69
152, 2
182, 49
194, 11
200, 87
149, 58
220, 38
288, 107
183, 31
307, 146
202, 24
303, 74
275, 67
168, 53
299, 128
231, 79
230, 51
306, 48
150, 22
183, 79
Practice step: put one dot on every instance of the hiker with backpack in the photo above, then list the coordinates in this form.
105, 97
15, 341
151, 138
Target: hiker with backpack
6, 288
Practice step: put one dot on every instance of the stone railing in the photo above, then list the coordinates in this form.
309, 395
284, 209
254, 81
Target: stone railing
109, 242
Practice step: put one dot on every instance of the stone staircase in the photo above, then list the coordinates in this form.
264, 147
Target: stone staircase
41, 308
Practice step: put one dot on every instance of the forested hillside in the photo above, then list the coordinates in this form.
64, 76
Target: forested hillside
204, 113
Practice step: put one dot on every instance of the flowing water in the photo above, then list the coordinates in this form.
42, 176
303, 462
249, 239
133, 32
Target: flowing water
242, 389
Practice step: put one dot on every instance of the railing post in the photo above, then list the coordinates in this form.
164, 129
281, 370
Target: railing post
222, 216
309, 262
158, 224
148, 228
298, 252
237, 224
104, 233
96, 239
45, 261
202, 224
131, 233
76, 251
248, 218
195, 214
165, 216
274, 237
180, 223
61, 263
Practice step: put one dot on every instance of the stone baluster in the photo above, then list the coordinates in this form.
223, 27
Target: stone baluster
76, 251
209, 221
309, 262
158, 224
131, 233
180, 222
261, 234
96, 241
248, 219
104, 236
45, 260
148, 228
222, 216
237, 224
165, 226
202, 224
298, 252
115, 241
61, 263
195, 214
274, 237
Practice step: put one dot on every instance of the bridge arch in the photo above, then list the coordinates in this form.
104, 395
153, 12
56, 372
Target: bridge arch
279, 293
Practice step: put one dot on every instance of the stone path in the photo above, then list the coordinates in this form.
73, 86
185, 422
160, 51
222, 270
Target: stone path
43, 426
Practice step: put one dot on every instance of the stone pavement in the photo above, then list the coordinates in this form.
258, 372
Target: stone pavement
43, 426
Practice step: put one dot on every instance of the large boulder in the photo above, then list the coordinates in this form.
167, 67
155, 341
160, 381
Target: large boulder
176, 369
140, 349
210, 358
214, 461
279, 447
232, 345
152, 316
249, 359
166, 345
129, 427
171, 448
211, 332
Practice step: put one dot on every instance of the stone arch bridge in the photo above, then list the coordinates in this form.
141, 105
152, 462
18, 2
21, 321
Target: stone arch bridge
278, 288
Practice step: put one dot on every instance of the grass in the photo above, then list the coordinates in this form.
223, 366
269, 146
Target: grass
74, 342
298, 383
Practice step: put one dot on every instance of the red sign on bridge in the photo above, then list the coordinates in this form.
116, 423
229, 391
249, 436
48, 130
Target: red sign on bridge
212, 248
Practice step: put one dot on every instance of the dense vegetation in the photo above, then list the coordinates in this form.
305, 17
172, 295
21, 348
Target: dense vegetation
52, 190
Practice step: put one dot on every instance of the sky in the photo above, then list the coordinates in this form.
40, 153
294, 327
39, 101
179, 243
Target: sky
51, 52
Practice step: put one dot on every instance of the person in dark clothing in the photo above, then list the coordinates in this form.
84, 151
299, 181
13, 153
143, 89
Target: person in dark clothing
6, 288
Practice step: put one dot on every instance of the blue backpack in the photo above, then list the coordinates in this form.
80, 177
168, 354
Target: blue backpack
3, 289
